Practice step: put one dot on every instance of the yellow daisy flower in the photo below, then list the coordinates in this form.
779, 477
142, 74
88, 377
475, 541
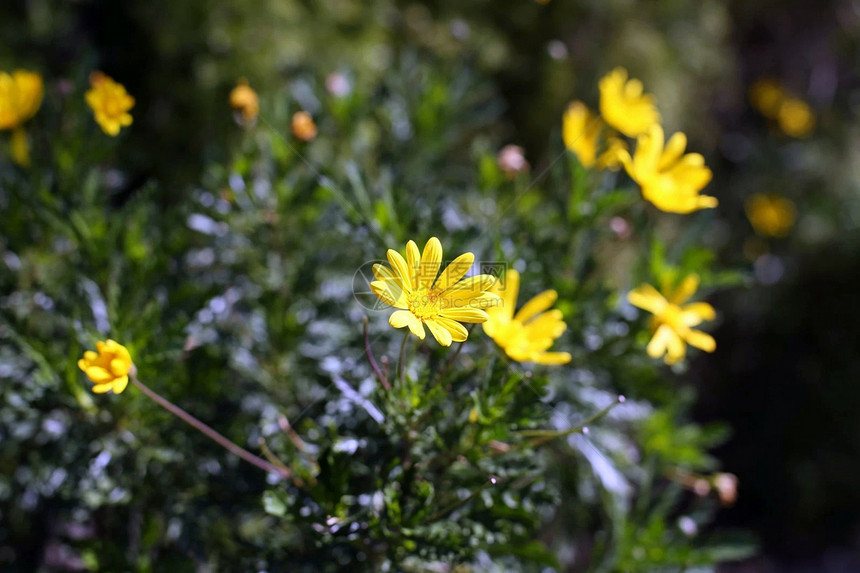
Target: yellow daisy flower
669, 179
527, 335
441, 303
624, 106
108, 368
795, 118
672, 323
771, 215
244, 100
20, 97
580, 130
110, 103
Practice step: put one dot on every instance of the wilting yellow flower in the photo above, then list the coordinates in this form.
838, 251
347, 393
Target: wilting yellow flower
303, 126
108, 368
580, 129
110, 103
244, 100
527, 335
795, 117
20, 97
766, 96
771, 215
441, 303
624, 106
669, 179
672, 323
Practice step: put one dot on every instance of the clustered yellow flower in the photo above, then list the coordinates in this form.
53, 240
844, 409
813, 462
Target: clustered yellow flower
669, 179
527, 335
110, 103
440, 302
108, 368
21, 95
793, 115
771, 215
672, 323
244, 100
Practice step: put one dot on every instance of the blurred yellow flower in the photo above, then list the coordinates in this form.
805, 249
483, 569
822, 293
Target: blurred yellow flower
303, 126
766, 96
672, 322
795, 118
20, 97
441, 303
110, 103
793, 115
624, 106
108, 368
613, 156
771, 215
244, 100
580, 130
669, 179
527, 335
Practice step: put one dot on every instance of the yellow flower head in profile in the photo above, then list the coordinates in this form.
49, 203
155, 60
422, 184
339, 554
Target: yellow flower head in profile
795, 117
20, 97
439, 302
580, 129
624, 106
303, 126
771, 215
669, 179
527, 335
108, 368
110, 103
244, 100
672, 322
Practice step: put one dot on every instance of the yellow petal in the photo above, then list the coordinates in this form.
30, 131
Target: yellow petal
701, 340
431, 259
401, 318
657, 347
400, 268
439, 332
390, 293
551, 358
455, 271
475, 285
459, 333
509, 291
90, 355
413, 260
673, 151
676, 349
686, 289
119, 367
647, 298
694, 313
465, 314
120, 384
536, 305
102, 388
98, 374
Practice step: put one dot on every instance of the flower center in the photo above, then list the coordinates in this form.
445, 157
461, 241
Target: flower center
671, 316
425, 304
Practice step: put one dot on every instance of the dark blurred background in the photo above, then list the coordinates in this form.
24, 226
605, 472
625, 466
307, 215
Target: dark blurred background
786, 375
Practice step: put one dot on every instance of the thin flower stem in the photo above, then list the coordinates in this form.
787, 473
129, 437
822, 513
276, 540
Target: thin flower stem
210, 433
382, 379
452, 358
542, 436
401, 369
